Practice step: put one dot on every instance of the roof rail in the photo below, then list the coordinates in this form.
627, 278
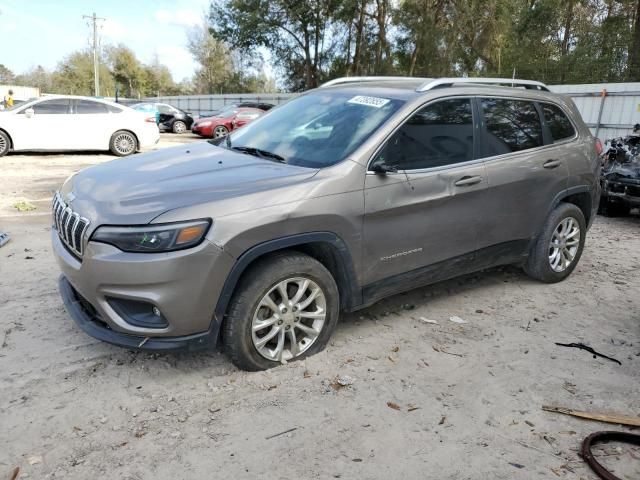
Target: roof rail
343, 80
511, 82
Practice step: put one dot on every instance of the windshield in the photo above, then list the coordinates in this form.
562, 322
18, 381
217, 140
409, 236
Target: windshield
316, 130
227, 112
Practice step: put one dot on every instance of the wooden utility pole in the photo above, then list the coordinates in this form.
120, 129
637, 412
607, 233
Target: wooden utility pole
96, 80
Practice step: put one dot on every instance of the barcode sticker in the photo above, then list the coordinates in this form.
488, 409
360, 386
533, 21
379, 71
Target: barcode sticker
374, 102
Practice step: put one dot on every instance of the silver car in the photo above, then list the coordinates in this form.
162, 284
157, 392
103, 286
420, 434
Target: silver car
349, 193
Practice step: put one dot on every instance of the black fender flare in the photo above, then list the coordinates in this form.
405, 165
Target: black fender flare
244, 260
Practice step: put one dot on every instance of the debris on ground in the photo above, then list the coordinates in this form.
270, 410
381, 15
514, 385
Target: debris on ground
14, 473
281, 433
427, 320
587, 456
582, 346
34, 459
24, 206
456, 319
393, 405
4, 238
441, 349
599, 417
342, 381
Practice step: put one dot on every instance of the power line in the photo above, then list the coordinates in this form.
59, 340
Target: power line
94, 21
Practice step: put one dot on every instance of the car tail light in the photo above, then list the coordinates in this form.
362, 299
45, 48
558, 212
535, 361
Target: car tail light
599, 147
150, 119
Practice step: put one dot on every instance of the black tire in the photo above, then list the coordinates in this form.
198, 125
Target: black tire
538, 264
123, 143
609, 208
5, 144
252, 288
179, 127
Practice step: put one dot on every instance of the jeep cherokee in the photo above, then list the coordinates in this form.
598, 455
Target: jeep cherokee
357, 190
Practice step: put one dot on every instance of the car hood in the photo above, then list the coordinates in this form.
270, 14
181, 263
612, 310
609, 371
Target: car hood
135, 190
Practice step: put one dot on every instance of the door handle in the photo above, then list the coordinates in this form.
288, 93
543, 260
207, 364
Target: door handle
551, 163
467, 181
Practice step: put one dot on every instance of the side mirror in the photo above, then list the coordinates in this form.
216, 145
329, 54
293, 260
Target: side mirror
382, 169
29, 112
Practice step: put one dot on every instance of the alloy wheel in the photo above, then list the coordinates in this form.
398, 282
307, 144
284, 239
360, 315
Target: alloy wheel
4, 145
220, 131
564, 245
124, 143
179, 127
288, 319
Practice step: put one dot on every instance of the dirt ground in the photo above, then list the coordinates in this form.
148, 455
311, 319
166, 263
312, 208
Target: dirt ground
438, 400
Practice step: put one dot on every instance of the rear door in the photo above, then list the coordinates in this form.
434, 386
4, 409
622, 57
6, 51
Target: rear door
429, 210
526, 172
95, 123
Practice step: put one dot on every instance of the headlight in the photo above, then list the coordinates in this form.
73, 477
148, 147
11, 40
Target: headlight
154, 238
204, 124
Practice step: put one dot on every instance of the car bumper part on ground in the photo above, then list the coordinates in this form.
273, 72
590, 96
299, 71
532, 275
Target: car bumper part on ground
183, 285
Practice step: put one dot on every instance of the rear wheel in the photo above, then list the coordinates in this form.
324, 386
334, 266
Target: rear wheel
286, 308
220, 131
179, 127
559, 245
5, 143
123, 143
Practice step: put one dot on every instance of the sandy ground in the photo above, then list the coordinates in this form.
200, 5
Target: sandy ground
445, 400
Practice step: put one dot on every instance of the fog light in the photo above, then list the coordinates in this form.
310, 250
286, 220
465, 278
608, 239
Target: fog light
156, 312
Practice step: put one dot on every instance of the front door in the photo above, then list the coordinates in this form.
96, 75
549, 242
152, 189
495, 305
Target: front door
428, 211
45, 126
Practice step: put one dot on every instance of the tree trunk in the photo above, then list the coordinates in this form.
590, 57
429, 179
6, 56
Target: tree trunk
633, 72
414, 58
359, 39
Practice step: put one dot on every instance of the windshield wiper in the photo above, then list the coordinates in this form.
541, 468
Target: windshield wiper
256, 152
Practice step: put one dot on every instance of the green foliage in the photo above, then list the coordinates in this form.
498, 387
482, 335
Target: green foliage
556, 41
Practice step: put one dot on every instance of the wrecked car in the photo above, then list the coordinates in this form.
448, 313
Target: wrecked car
620, 178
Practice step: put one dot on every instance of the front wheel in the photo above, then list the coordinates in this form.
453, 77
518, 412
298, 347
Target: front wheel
220, 131
286, 308
559, 245
5, 143
179, 127
123, 143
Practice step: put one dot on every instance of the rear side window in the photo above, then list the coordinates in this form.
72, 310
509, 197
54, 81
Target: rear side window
439, 134
511, 125
557, 122
89, 107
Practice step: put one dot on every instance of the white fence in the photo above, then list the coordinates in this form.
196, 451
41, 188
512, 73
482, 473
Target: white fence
19, 93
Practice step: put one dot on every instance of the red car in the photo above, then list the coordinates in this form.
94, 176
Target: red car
227, 120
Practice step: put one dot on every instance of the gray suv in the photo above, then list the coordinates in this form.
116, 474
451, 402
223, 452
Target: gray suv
357, 190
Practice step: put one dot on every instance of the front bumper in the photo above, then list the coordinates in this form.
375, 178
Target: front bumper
184, 286
85, 317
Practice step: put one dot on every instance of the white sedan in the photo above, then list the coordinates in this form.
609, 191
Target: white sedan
62, 123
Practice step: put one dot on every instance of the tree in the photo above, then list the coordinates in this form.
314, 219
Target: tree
74, 76
127, 71
158, 80
37, 77
6, 76
634, 48
215, 67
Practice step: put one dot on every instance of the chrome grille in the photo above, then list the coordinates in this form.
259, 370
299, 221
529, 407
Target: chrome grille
71, 227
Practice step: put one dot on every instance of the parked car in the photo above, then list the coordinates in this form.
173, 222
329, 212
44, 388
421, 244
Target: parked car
259, 105
169, 118
620, 178
60, 123
225, 122
345, 195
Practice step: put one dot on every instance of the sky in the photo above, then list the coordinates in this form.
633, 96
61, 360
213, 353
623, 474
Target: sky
43, 32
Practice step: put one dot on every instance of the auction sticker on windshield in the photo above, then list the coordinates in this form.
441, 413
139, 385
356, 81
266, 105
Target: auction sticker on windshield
374, 102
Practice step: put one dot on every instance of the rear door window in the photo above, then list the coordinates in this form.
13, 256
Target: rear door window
85, 107
511, 126
439, 134
557, 122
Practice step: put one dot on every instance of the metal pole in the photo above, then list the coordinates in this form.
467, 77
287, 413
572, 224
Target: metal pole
603, 96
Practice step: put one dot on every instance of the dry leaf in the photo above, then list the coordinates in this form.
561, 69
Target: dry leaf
393, 405
395, 349
34, 459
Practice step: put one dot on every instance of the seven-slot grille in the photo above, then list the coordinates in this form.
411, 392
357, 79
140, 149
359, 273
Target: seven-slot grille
70, 226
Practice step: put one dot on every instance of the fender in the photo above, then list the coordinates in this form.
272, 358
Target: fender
349, 277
